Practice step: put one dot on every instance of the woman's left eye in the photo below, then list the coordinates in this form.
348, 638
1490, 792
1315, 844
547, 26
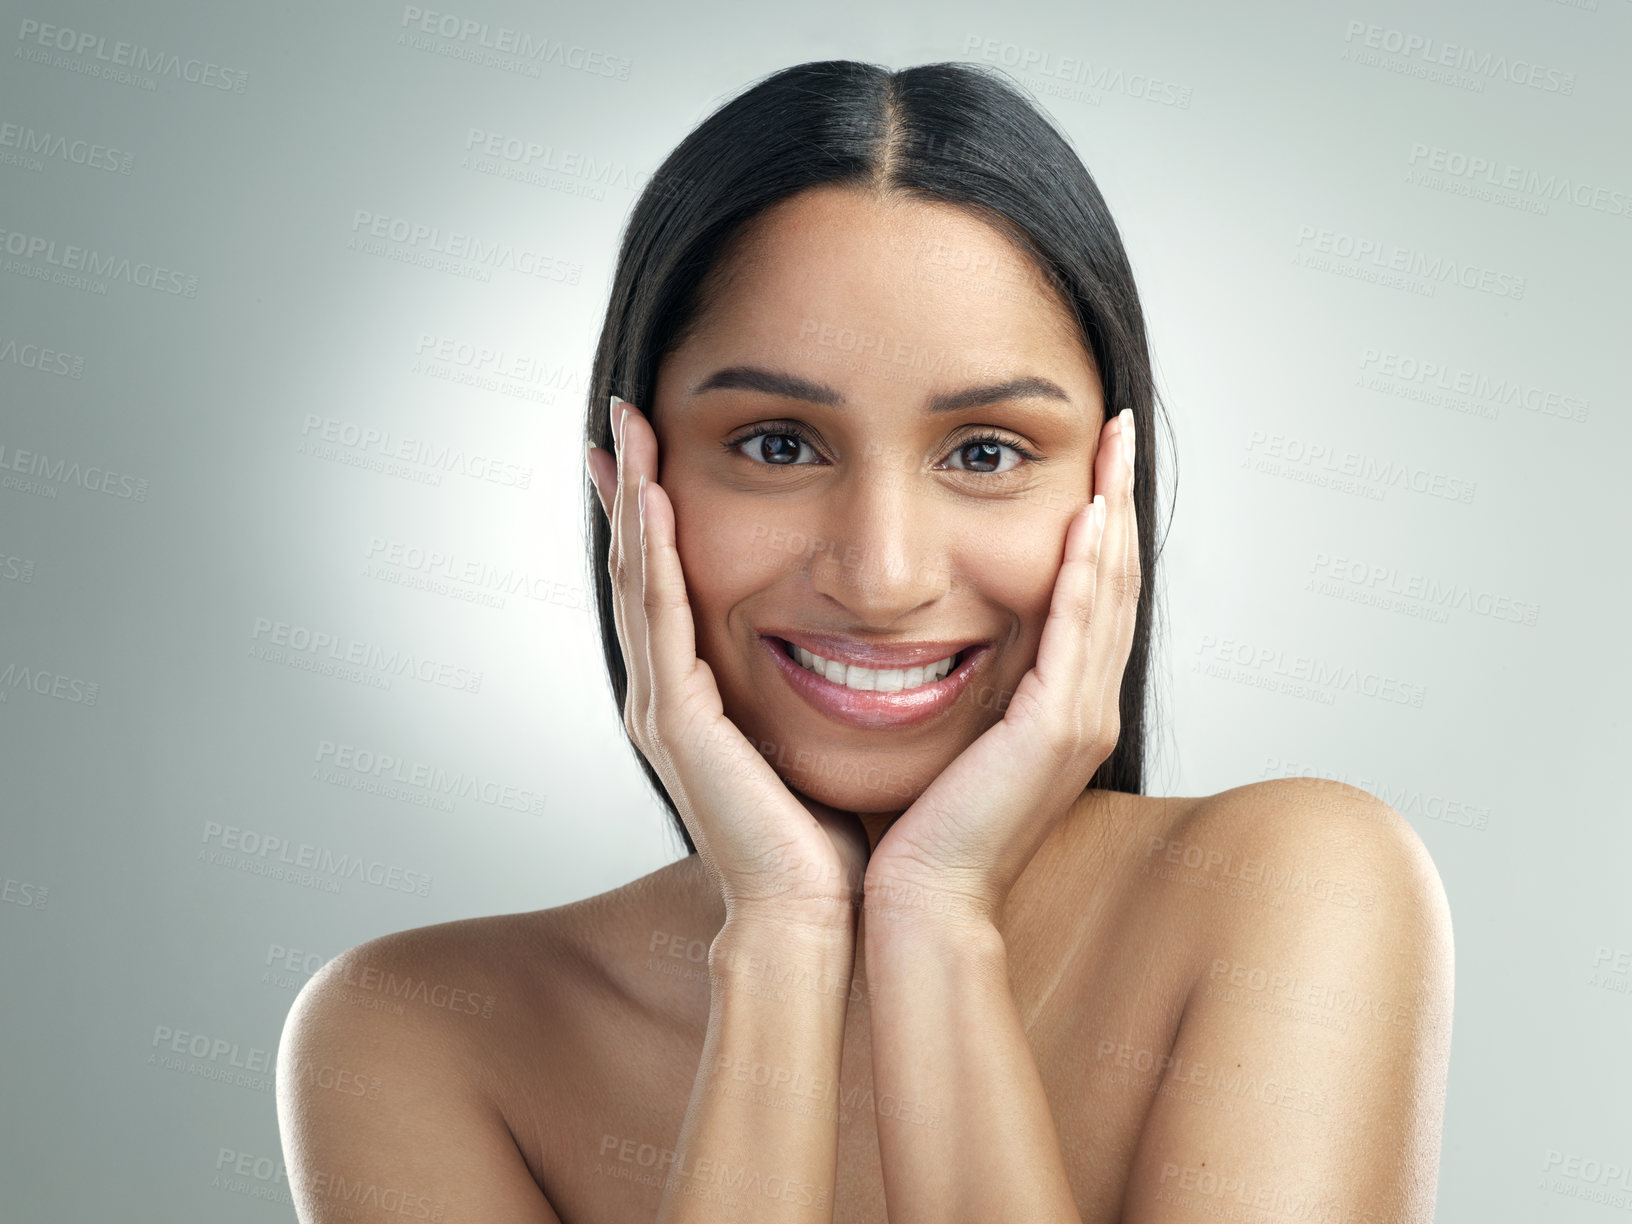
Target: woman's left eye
979, 452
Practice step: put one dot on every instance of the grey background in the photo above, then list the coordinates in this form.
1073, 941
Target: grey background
125, 914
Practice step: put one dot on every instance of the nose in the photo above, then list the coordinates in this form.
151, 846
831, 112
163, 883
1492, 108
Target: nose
886, 555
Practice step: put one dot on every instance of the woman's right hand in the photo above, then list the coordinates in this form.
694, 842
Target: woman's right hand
776, 857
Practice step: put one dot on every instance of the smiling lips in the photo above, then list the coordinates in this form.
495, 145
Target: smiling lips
874, 687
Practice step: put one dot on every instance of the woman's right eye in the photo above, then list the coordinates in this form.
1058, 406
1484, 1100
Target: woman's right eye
774, 446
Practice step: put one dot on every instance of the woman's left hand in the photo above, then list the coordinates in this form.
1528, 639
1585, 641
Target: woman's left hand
958, 850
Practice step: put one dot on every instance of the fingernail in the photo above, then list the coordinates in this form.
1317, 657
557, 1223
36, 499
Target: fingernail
614, 415
640, 497
623, 423
1127, 434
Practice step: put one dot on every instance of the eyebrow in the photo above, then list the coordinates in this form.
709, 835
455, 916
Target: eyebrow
791, 386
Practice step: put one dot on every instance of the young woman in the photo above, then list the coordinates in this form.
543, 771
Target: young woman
874, 575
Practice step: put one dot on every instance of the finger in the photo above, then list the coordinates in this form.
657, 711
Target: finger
626, 561
602, 470
671, 633
638, 456
1062, 653
1119, 577
1064, 656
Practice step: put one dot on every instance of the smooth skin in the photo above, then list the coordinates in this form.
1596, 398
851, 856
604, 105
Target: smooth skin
1007, 999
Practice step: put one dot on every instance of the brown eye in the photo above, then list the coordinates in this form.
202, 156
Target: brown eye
773, 446
984, 455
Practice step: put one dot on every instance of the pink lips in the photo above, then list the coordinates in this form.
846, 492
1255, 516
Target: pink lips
877, 711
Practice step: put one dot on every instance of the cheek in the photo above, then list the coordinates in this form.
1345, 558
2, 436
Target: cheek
726, 555
1016, 565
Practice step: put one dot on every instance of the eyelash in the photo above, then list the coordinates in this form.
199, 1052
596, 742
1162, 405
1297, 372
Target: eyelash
794, 431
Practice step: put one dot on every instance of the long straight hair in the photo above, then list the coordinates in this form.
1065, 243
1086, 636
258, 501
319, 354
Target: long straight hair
953, 133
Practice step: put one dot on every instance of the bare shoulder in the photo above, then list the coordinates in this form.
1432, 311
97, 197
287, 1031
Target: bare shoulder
432, 1072
1320, 839
1312, 863
1318, 1019
388, 1076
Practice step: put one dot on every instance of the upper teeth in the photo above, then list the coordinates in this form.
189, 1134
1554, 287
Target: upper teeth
873, 679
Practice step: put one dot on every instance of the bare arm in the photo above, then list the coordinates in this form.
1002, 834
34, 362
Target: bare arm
1307, 1077
760, 1138
966, 1134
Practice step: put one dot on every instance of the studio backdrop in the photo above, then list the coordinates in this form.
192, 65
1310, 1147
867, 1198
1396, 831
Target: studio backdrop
297, 308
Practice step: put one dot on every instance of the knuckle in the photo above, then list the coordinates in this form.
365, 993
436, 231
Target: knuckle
1125, 585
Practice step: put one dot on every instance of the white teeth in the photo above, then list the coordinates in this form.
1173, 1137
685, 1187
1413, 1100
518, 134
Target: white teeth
873, 679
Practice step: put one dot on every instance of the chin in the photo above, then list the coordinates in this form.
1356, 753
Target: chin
850, 781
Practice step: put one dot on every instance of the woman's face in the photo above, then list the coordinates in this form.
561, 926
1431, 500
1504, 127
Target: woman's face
878, 509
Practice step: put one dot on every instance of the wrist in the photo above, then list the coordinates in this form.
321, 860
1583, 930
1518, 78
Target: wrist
772, 955
816, 918
907, 945
780, 937
898, 899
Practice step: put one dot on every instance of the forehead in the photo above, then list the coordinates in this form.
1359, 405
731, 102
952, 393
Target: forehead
851, 278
